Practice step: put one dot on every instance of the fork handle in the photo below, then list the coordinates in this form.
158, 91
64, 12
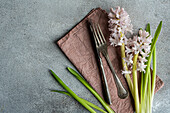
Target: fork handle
122, 92
105, 85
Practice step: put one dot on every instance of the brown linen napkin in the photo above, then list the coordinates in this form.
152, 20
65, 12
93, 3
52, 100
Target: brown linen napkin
78, 48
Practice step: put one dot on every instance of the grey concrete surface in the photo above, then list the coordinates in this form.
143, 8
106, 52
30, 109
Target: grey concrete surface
28, 30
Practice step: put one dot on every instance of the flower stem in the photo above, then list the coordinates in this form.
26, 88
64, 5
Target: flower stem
141, 88
158, 30
149, 78
149, 92
127, 76
135, 83
85, 83
72, 93
154, 73
153, 78
141, 94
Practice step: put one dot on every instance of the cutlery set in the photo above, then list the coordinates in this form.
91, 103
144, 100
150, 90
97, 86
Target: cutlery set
101, 47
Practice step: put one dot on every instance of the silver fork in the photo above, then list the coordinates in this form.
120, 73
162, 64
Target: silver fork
101, 46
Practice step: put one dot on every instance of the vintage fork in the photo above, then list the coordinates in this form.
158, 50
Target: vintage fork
101, 46
104, 80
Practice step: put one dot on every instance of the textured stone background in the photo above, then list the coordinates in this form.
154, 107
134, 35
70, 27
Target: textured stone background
28, 30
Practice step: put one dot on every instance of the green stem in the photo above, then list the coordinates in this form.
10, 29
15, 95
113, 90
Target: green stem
94, 106
149, 78
147, 98
105, 105
127, 76
147, 104
154, 72
149, 93
143, 97
141, 88
87, 102
153, 78
143, 104
150, 56
72, 93
135, 83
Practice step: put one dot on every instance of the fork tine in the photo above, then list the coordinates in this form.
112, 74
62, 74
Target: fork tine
97, 39
101, 34
91, 27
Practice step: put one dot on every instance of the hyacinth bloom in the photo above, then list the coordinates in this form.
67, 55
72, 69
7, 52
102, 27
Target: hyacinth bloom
136, 55
119, 25
139, 44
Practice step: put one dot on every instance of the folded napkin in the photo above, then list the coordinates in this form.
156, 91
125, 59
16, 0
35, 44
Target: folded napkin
78, 48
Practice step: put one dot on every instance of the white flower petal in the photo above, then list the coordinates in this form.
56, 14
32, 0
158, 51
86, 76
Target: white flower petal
126, 72
142, 59
141, 67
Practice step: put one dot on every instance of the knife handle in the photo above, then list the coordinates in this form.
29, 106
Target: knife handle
104, 82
